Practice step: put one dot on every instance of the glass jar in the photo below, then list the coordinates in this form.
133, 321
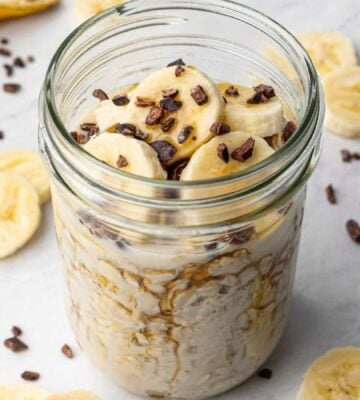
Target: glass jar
178, 289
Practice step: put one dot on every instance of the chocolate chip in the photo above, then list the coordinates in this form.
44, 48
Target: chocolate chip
2, 135
240, 237
15, 344
4, 41
175, 171
122, 162
67, 351
184, 134
5, 52
219, 128
199, 95
169, 104
30, 376
223, 152
155, 116
232, 91
179, 70
19, 62
170, 93
164, 149
90, 128
30, 59
144, 102
80, 138
11, 87
271, 140
9, 70
353, 229
245, 151
179, 61
100, 94
330, 194
288, 131
121, 100
346, 156
262, 94
265, 373
16, 331
167, 124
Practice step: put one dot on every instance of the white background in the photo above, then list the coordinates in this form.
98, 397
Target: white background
327, 292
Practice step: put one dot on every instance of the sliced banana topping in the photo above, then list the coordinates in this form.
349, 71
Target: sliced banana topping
127, 153
29, 165
333, 376
255, 111
328, 50
19, 212
22, 392
84, 9
76, 395
342, 95
226, 154
177, 105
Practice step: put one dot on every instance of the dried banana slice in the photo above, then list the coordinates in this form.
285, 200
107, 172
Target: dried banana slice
19, 8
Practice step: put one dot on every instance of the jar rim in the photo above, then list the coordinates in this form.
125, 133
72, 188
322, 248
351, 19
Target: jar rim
135, 7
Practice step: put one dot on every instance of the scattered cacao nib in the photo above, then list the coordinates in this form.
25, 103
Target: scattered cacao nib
175, 171
220, 128
170, 93
30, 376
122, 162
164, 149
30, 59
4, 41
130, 130
289, 130
155, 116
353, 229
90, 128
355, 156
179, 70
232, 91
184, 134
9, 70
262, 94
265, 373
179, 61
5, 52
121, 100
346, 156
330, 194
2, 135
224, 98
167, 124
245, 151
223, 152
171, 105
16, 331
19, 62
100, 94
67, 351
271, 140
144, 102
256, 98
80, 138
11, 87
15, 344
199, 95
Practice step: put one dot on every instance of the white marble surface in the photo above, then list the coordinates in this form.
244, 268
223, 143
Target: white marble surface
327, 295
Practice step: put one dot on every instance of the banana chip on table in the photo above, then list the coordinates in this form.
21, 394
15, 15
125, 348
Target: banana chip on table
19, 8
84, 9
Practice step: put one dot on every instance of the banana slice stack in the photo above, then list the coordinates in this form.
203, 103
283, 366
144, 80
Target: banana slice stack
23, 392
24, 188
19, 8
334, 57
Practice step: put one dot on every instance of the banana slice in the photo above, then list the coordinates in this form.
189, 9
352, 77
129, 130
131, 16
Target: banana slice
19, 8
333, 376
192, 103
19, 212
129, 154
22, 393
342, 96
208, 162
263, 119
84, 9
328, 50
76, 395
29, 165
108, 114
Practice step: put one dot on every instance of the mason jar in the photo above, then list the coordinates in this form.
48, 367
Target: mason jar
178, 289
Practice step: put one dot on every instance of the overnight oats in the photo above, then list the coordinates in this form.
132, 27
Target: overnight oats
178, 198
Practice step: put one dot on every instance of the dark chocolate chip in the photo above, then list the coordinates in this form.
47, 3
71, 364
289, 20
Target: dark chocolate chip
175, 171
199, 95
232, 91
19, 62
164, 149
330, 194
289, 130
122, 162
9, 69
170, 93
353, 229
179, 61
155, 116
16, 331
220, 128
30, 376
144, 102
67, 351
11, 87
245, 151
15, 344
256, 98
121, 100
267, 90
223, 152
90, 128
346, 156
265, 373
100, 94
179, 70
184, 134
5, 52
167, 124
171, 105
80, 138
